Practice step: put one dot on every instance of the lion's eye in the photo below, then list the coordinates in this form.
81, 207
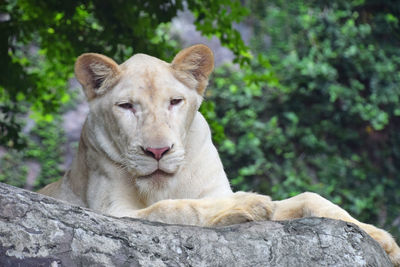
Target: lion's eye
126, 106
174, 102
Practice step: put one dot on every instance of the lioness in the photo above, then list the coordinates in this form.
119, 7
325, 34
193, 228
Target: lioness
146, 152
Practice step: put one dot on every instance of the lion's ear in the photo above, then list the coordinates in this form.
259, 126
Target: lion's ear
96, 73
193, 65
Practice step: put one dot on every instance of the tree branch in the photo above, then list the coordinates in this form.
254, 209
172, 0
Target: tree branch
39, 231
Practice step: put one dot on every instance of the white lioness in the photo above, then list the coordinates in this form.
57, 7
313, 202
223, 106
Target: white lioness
146, 152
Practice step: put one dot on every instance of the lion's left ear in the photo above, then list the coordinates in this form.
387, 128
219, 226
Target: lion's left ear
96, 73
193, 65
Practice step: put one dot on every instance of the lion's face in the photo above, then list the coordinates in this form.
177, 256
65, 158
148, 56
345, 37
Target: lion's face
148, 114
142, 110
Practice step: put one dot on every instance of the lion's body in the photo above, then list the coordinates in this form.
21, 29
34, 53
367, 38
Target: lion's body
146, 152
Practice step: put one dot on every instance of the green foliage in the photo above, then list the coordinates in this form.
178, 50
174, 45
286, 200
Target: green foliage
216, 18
40, 41
13, 171
331, 124
44, 147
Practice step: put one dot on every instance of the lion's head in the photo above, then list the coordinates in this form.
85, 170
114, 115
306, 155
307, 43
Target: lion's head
141, 110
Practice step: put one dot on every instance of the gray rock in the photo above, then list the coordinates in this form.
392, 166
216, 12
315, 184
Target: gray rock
39, 231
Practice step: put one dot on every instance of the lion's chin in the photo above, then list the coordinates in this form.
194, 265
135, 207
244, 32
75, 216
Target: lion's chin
155, 181
157, 175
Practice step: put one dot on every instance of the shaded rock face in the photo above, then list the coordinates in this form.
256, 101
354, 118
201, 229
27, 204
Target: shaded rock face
39, 231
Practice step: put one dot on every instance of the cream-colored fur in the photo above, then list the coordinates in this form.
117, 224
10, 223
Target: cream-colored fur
145, 106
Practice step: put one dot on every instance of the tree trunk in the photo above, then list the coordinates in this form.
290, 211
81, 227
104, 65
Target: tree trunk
39, 231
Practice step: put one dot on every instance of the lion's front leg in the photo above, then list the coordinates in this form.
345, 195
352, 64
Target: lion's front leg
311, 204
236, 208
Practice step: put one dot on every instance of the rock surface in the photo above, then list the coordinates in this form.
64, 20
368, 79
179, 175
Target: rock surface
39, 231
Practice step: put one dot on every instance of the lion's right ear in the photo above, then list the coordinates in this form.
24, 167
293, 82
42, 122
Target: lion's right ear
96, 73
193, 65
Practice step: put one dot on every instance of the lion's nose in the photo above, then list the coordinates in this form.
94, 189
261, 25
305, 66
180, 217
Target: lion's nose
157, 153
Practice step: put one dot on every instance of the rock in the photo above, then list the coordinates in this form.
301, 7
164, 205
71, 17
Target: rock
39, 231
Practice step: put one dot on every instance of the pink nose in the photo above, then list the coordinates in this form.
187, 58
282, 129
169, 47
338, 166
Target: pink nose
157, 153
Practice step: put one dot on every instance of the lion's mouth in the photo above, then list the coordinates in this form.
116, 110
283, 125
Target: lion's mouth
157, 174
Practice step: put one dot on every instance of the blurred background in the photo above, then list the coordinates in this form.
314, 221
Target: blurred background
305, 95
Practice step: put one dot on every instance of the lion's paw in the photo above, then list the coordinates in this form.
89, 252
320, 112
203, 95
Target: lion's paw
388, 244
393, 250
243, 207
395, 257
